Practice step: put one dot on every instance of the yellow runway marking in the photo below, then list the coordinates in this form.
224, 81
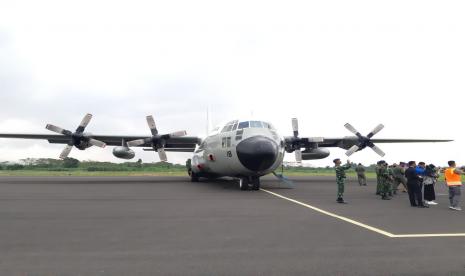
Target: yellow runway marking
368, 227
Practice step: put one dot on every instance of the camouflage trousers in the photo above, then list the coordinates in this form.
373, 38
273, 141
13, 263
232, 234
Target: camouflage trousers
399, 180
340, 187
362, 180
385, 187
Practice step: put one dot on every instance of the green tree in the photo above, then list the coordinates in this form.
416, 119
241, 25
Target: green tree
70, 163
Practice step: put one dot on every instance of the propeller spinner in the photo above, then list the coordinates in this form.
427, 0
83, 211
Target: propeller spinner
78, 138
157, 141
364, 141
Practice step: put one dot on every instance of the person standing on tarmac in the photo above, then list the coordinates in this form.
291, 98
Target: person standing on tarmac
385, 182
398, 172
360, 169
454, 182
430, 178
340, 178
378, 179
413, 186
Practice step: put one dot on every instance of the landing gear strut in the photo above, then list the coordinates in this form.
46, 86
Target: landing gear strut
194, 176
252, 182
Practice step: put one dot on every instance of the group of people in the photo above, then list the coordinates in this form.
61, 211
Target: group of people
418, 180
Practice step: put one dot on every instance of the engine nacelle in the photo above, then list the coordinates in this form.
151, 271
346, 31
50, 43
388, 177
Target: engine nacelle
312, 154
123, 152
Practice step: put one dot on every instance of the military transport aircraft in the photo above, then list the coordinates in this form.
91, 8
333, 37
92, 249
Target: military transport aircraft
243, 149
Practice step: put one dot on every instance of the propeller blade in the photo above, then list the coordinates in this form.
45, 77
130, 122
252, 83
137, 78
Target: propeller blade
351, 128
162, 155
85, 121
64, 154
152, 125
352, 150
97, 143
298, 155
135, 143
376, 130
377, 150
178, 133
57, 129
295, 127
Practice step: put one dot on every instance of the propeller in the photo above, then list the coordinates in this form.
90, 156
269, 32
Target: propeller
78, 139
295, 129
364, 141
157, 141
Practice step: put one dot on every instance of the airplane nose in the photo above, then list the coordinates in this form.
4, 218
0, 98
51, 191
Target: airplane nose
257, 153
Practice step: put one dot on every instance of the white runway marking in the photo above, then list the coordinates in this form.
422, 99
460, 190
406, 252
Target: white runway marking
366, 226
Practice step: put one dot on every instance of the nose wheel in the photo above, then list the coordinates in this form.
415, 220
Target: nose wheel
252, 183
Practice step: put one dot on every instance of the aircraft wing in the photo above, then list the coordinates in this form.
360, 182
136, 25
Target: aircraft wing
184, 143
349, 141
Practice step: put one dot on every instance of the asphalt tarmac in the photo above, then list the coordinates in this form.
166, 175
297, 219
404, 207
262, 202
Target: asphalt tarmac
169, 226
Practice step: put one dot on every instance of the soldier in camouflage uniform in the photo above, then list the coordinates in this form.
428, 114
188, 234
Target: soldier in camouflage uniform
362, 180
398, 172
378, 179
384, 178
340, 178
390, 180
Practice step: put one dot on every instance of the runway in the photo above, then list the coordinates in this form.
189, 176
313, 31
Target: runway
170, 226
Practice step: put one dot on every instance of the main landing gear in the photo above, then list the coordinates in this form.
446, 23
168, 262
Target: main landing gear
251, 182
194, 176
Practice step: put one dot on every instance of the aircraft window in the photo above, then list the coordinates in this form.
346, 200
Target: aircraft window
266, 125
243, 125
229, 128
224, 128
256, 124
235, 126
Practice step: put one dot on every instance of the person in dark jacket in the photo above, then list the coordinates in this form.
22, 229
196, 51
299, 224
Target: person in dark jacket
429, 180
413, 186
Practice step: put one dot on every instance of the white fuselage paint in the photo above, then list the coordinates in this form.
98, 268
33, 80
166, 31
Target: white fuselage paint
225, 160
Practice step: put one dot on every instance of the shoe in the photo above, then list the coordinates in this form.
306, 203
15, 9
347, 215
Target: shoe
423, 206
386, 198
432, 203
455, 208
341, 200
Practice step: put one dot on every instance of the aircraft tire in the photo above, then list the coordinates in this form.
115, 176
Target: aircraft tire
194, 177
256, 184
244, 184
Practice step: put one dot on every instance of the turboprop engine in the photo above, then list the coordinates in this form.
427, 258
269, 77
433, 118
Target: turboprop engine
123, 152
312, 154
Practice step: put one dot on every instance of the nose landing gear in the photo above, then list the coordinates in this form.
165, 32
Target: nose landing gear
251, 182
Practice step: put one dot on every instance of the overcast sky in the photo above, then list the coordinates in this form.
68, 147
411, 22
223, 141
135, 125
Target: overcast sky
400, 63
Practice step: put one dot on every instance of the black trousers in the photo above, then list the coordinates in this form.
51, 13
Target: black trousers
430, 195
414, 194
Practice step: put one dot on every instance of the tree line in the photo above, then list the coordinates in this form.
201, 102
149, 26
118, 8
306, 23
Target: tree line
49, 164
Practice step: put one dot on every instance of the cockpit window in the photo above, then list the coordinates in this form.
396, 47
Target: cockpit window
243, 125
229, 126
257, 124
225, 128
